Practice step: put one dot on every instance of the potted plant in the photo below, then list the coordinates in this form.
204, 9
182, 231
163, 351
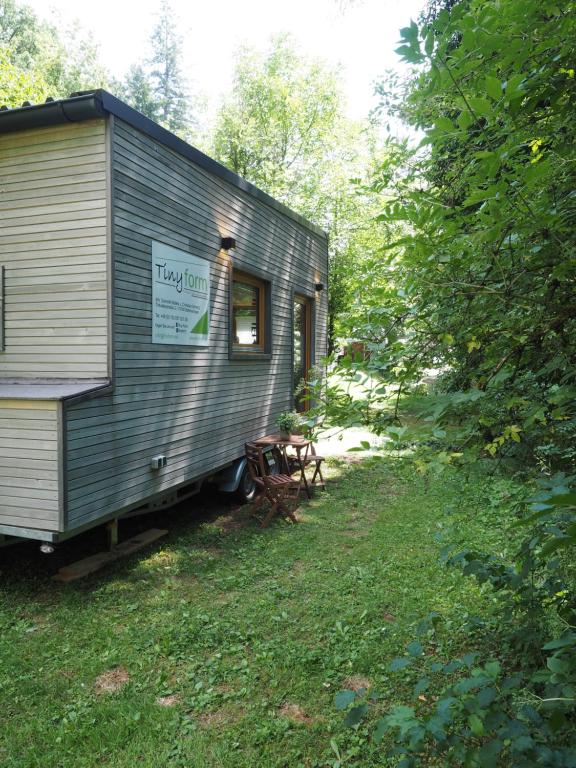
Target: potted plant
287, 422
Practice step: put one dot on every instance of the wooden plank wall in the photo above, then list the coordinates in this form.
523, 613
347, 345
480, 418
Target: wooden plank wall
29, 464
53, 246
192, 404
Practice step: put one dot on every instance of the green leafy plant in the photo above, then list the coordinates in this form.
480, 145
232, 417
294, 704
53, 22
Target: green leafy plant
480, 718
287, 421
478, 249
481, 292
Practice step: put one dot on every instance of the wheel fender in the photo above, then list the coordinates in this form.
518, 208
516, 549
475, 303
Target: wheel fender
229, 480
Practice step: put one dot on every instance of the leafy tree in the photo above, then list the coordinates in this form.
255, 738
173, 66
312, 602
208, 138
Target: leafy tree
278, 124
169, 86
487, 273
434, 7
157, 87
137, 90
356, 274
48, 61
483, 278
72, 61
20, 30
283, 129
18, 85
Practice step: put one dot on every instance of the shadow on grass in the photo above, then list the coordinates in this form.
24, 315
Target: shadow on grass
202, 531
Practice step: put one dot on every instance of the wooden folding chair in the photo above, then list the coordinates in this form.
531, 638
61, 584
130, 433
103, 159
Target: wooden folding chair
278, 490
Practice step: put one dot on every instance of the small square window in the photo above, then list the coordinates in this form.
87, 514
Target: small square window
249, 332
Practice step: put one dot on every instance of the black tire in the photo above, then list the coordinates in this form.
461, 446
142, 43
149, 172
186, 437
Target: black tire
276, 461
246, 491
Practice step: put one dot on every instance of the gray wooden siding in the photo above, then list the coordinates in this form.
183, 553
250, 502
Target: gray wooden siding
53, 240
29, 495
192, 404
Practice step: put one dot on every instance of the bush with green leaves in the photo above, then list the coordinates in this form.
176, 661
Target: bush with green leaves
482, 717
482, 288
481, 283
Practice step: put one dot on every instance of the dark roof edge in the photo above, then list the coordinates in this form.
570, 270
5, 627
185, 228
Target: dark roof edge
50, 389
99, 103
72, 110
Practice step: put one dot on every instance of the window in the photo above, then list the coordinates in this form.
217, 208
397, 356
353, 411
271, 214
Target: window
301, 349
249, 331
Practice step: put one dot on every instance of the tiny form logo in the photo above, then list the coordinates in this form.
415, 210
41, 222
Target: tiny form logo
187, 281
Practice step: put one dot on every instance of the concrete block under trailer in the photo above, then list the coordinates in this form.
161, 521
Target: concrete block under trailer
105, 408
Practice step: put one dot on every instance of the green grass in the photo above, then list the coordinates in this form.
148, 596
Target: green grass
252, 632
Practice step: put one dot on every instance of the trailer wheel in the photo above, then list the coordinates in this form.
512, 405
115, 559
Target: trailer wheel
275, 462
246, 490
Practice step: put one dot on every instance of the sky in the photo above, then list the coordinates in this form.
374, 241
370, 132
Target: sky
358, 35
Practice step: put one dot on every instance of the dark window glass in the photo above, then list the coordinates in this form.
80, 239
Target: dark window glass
247, 313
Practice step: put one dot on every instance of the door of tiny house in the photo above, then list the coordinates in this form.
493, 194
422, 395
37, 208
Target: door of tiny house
302, 341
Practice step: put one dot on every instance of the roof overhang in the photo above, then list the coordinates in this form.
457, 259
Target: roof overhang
57, 389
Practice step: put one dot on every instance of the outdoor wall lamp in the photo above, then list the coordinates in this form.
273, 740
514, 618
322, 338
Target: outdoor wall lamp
227, 243
319, 286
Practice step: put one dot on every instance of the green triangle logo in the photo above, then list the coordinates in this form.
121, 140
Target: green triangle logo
201, 326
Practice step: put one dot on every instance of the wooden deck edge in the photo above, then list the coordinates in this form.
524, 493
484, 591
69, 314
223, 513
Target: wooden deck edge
87, 565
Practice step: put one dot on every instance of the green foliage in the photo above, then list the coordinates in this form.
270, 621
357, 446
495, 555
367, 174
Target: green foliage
137, 89
37, 59
279, 122
288, 421
157, 86
21, 31
482, 288
72, 62
347, 206
283, 128
481, 281
169, 86
18, 85
541, 580
481, 718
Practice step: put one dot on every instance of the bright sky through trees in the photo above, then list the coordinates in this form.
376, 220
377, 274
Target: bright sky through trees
360, 35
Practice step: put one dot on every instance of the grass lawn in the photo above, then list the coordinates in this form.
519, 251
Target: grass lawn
225, 645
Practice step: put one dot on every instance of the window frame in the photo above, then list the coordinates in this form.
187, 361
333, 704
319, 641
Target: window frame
262, 281
310, 301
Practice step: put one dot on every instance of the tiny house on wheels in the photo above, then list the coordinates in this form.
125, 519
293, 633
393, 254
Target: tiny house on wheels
156, 311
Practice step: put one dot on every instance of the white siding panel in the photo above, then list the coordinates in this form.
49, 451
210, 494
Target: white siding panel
53, 245
29, 495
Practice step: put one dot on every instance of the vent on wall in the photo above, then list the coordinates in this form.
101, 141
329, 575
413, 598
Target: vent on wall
157, 462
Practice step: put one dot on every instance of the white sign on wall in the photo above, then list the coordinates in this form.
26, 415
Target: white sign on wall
180, 297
